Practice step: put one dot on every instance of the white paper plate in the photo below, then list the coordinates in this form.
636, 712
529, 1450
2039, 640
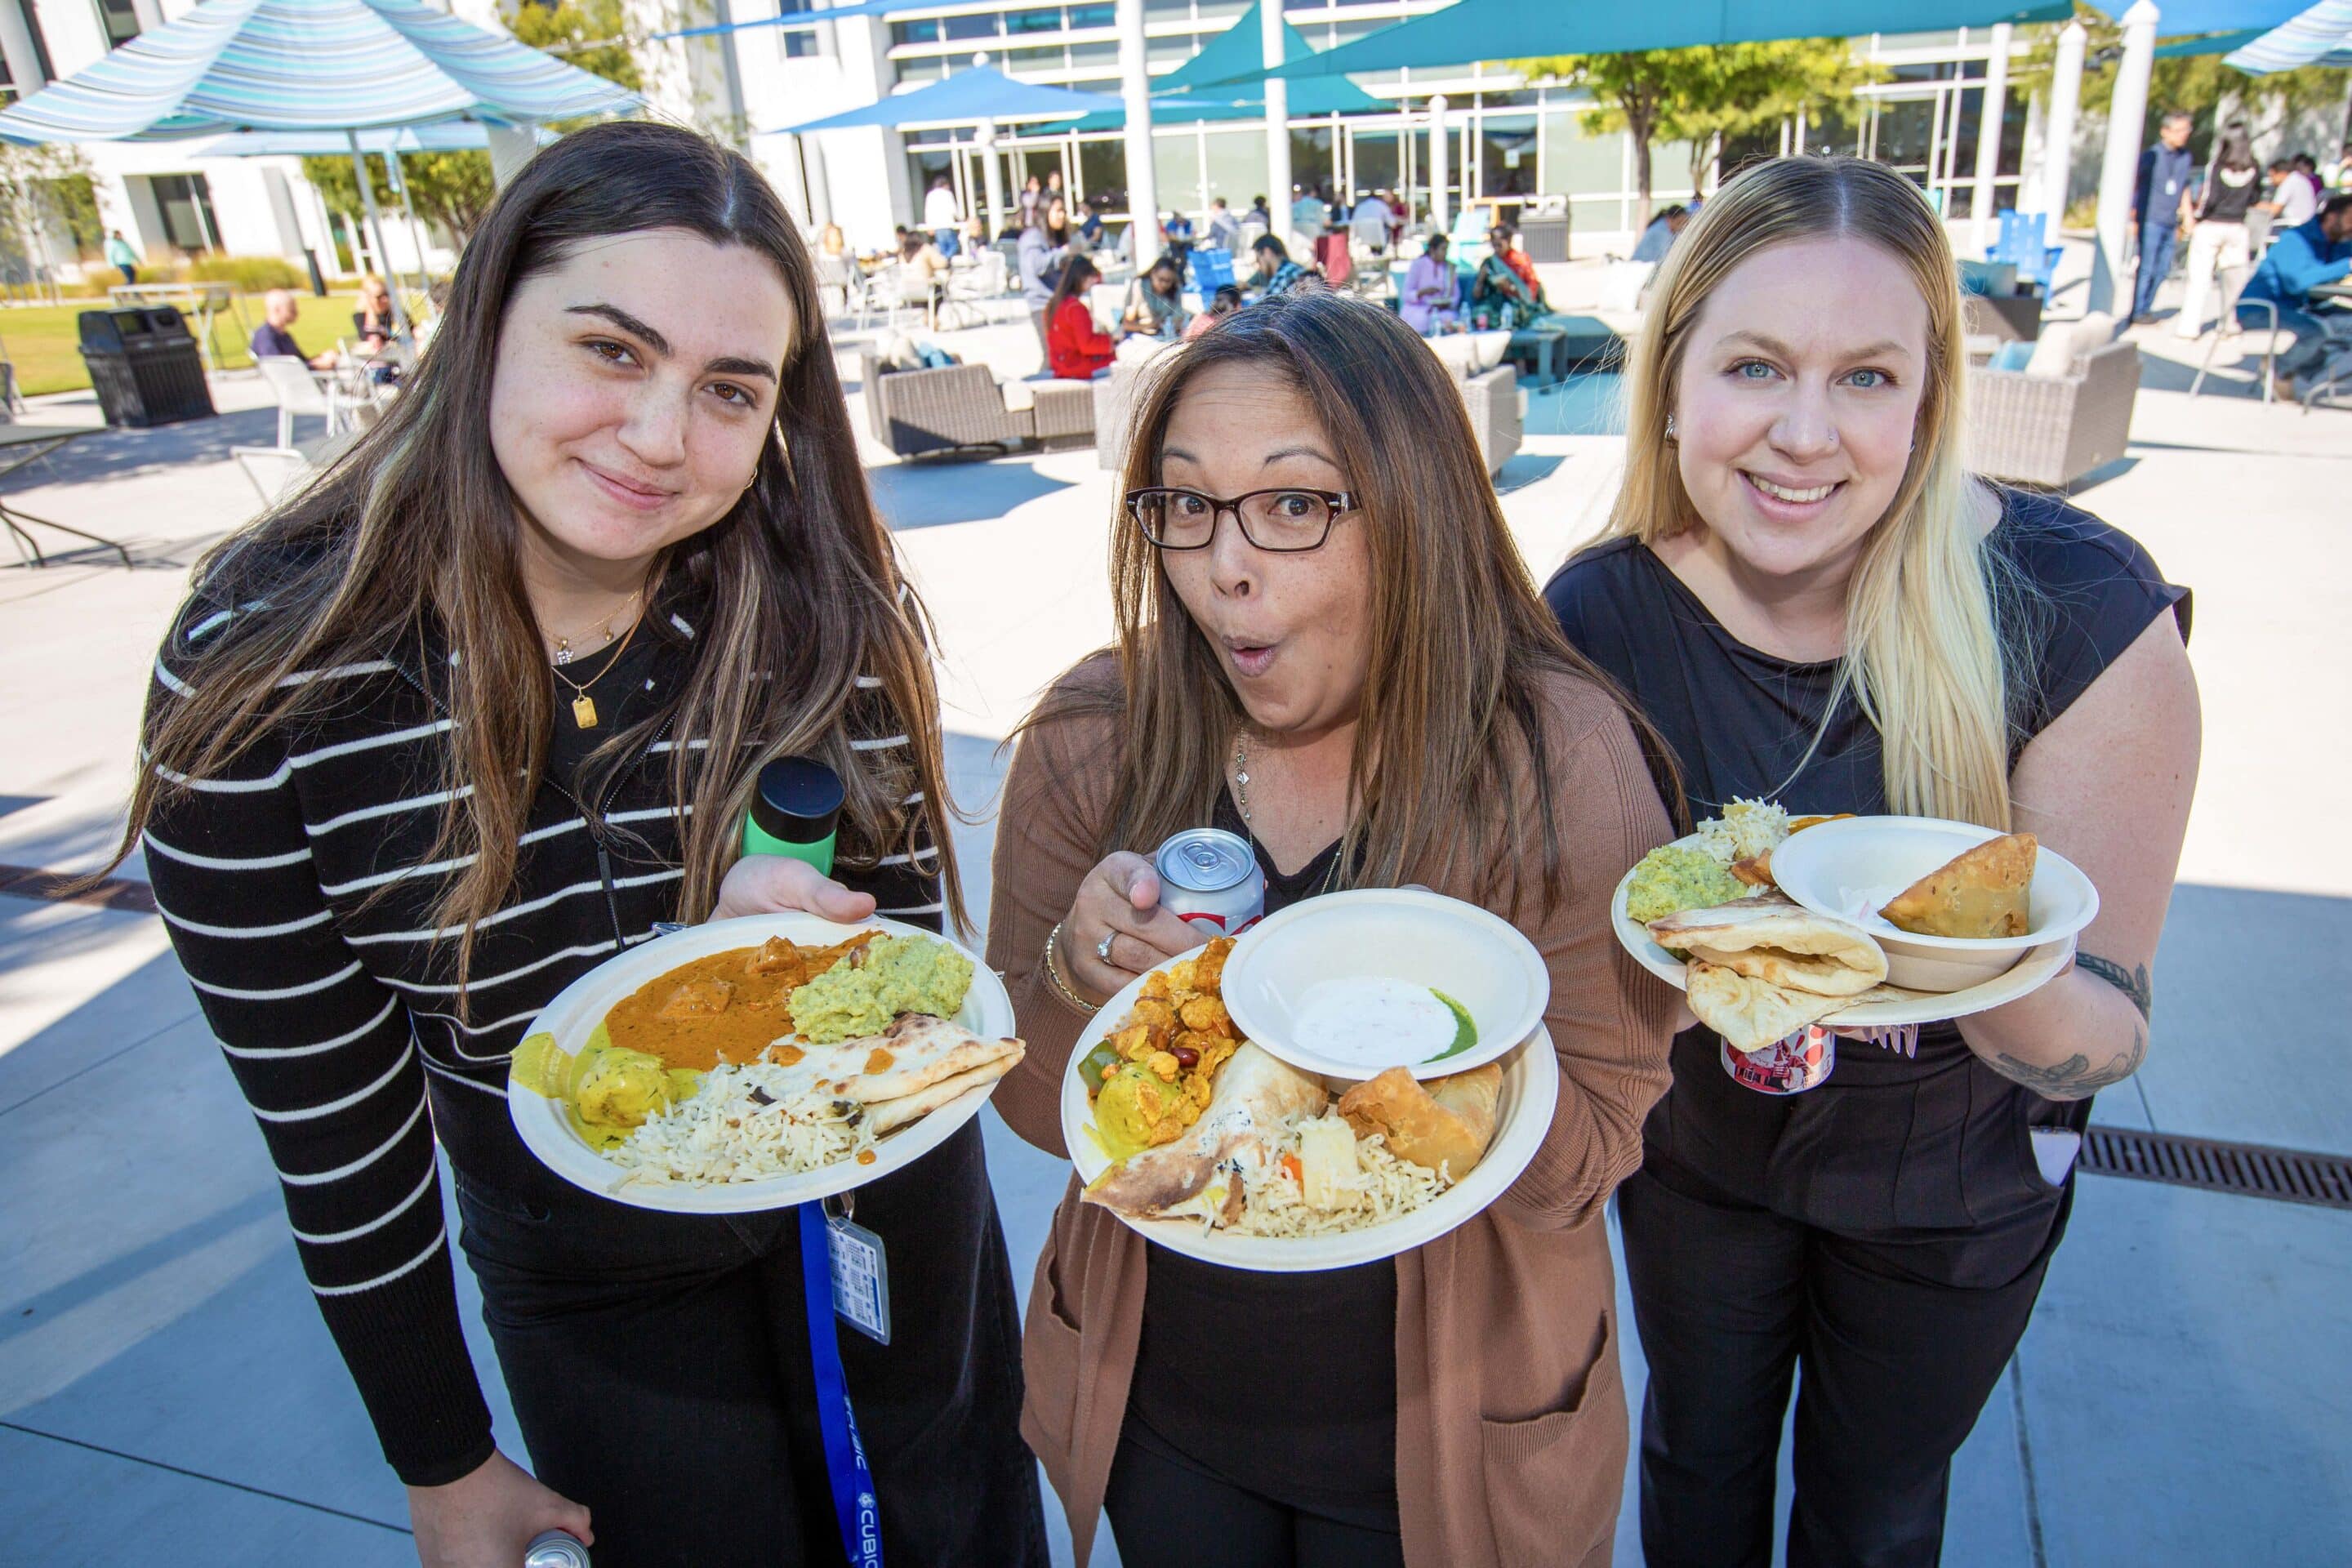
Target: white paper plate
1522, 1115
574, 1013
1409, 934
2036, 969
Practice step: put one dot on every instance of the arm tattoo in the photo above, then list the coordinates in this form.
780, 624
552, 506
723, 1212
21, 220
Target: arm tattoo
2133, 983
2073, 1078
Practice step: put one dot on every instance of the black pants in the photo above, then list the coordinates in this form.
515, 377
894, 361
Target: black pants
1166, 1512
659, 1367
1731, 1300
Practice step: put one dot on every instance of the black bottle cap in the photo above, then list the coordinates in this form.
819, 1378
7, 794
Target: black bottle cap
799, 800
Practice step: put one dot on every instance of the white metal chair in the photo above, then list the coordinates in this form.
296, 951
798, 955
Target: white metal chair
300, 390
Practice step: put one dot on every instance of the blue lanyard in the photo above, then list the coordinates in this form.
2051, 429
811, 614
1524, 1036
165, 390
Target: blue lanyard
854, 1504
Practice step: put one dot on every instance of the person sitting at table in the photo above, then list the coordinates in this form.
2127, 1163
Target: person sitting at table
373, 324
1076, 349
1659, 238
1155, 302
2310, 257
1368, 223
274, 338
1432, 290
924, 268
1224, 229
1328, 646
1277, 273
1089, 225
1505, 290
1223, 303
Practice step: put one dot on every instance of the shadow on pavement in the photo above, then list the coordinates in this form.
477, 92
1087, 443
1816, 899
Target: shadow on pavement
125, 454
916, 495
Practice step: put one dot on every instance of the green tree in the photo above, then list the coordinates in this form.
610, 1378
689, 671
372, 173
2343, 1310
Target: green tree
40, 185
1699, 95
2197, 83
453, 190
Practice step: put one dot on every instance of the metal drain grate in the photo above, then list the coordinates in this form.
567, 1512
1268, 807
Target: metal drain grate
2251, 1170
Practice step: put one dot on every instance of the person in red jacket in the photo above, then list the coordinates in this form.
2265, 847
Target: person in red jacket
1075, 348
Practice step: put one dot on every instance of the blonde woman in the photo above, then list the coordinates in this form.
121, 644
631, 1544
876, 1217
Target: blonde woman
1813, 599
1327, 642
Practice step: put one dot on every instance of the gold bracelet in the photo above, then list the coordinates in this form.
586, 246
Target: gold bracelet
1053, 975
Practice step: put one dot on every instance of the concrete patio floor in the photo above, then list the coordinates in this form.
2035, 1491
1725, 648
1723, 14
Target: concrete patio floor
2179, 1398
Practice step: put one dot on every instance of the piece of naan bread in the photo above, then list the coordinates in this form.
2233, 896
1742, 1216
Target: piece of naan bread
1447, 1121
910, 1069
1752, 1014
1255, 1096
1774, 940
1983, 894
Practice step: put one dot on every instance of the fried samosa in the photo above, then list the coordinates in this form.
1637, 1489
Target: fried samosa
1983, 894
1447, 1121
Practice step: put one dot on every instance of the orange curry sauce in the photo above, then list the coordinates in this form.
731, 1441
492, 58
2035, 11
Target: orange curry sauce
727, 1007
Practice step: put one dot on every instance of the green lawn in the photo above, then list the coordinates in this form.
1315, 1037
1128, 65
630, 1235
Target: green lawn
45, 340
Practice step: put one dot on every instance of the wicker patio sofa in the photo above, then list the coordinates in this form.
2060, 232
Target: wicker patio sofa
2053, 430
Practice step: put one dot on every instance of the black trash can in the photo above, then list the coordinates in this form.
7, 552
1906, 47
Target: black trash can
145, 366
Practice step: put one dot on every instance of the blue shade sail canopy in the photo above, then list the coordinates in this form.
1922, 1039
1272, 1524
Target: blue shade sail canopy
2321, 36
1186, 95
967, 97
2182, 17
441, 136
308, 65
1473, 30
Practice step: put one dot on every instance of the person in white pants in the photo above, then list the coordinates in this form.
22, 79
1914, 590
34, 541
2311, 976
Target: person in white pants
2218, 239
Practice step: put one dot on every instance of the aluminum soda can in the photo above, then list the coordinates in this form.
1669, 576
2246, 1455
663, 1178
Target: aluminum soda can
555, 1549
1211, 878
1786, 1067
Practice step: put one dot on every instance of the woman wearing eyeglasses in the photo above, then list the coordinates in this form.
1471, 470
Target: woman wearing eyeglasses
1328, 643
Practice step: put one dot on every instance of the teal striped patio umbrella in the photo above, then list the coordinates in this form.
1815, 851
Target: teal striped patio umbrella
2319, 36
310, 65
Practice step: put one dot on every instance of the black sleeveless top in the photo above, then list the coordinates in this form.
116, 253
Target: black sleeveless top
2229, 194
1888, 1144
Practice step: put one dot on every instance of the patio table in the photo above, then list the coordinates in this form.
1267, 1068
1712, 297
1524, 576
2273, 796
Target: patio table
23, 444
204, 302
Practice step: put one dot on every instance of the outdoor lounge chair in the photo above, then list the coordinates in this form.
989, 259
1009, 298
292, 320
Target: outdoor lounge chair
2051, 428
958, 406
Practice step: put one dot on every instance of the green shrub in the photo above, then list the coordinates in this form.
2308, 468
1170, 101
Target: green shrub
250, 274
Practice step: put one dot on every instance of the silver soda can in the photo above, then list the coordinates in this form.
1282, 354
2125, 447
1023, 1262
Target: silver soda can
555, 1549
1211, 878
1786, 1067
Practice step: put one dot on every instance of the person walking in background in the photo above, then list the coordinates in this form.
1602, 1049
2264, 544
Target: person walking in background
2218, 240
1076, 349
941, 218
120, 255
1796, 527
1046, 245
2299, 260
2160, 203
1432, 290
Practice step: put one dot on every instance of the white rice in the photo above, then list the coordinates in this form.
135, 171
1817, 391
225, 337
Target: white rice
1391, 1188
723, 1134
1745, 829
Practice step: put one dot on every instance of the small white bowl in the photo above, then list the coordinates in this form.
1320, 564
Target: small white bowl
1421, 937
1850, 868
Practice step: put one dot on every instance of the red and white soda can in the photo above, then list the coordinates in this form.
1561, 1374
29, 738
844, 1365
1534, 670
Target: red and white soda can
1786, 1067
1211, 878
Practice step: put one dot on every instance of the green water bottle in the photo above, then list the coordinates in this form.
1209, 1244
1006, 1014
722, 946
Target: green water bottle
795, 811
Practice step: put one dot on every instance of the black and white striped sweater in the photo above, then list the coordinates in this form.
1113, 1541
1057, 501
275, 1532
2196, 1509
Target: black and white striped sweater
336, 1017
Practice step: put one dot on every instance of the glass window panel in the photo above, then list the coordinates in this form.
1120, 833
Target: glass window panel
1507, 156
1094, 16
1102, 172
1176, 166
923, 32
981, 26
1171, 51
1095, 54
1208, 10
1236, 166
1048, 20
1167, 10
1036, 60
1311, 159
1581, 164
1378, 165
931, 69
121, 22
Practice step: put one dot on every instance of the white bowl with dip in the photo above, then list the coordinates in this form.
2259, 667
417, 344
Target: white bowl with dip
1851, 869
1353, 984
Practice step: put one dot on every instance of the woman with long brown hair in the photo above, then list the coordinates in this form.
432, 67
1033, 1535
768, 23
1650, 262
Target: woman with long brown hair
477, 710
1328, 643
1813, 599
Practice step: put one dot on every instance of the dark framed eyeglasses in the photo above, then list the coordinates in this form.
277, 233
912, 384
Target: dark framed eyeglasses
1281, 522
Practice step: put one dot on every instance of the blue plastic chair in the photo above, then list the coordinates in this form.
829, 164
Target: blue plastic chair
2020, 242
1213, 268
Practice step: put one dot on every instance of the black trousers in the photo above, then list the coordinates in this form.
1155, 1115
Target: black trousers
659, 1367
1732, 1300
1166, 1513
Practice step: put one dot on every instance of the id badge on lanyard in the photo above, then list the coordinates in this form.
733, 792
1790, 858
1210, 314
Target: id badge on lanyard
844, 1271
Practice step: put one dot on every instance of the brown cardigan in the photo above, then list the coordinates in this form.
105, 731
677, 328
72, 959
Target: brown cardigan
1510, 1412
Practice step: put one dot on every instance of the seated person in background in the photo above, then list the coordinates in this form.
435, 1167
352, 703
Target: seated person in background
1659, 238
1368, 224
1226, 301
1089, 223
1259, 214
926, 267
1075, 348
1155, 302
274, 339
1276, 274
1432, 290
373, 322
1224, 229
2301, 259
1506, 291
1308, 212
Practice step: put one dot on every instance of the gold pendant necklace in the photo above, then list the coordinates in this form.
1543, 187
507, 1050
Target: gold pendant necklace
564, 650
584, 707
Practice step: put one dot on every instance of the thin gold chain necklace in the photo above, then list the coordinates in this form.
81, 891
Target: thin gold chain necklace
564, 653
584, 707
